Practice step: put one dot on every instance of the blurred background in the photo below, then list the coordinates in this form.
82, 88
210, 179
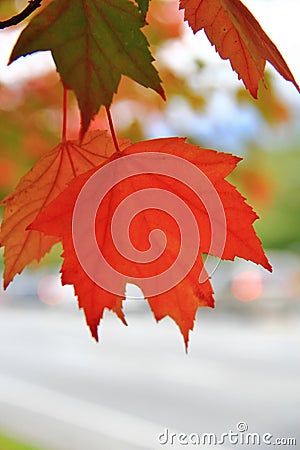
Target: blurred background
59, 390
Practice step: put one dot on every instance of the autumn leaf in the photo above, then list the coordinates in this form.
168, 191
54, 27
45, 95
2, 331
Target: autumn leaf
163, 184
237, 36
93, 43
38, 188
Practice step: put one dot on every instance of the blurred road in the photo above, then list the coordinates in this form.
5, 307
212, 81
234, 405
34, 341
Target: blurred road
60, 389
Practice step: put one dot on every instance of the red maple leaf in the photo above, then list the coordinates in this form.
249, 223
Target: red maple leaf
39, 187
110, 221
237, 36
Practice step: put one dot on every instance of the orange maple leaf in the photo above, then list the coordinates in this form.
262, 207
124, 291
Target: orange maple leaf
38, 188
237, 36
110, 221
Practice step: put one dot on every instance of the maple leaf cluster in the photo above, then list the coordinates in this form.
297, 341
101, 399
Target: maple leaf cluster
39, 213
94, 43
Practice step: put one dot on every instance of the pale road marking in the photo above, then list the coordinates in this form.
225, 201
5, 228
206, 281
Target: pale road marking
81, 413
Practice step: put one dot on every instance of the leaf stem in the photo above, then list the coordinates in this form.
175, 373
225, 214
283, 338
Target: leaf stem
15, 20
65, 114
112, 129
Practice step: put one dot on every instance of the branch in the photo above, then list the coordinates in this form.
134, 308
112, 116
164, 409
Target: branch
15, 20
112, 129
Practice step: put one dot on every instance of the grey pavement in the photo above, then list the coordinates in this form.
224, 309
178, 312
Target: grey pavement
60, 389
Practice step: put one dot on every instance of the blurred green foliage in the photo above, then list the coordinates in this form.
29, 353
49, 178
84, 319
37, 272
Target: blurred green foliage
7, 443
280, 224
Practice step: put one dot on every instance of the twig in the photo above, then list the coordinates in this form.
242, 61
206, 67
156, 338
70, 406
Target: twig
112, 129
65, 115
15, 20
